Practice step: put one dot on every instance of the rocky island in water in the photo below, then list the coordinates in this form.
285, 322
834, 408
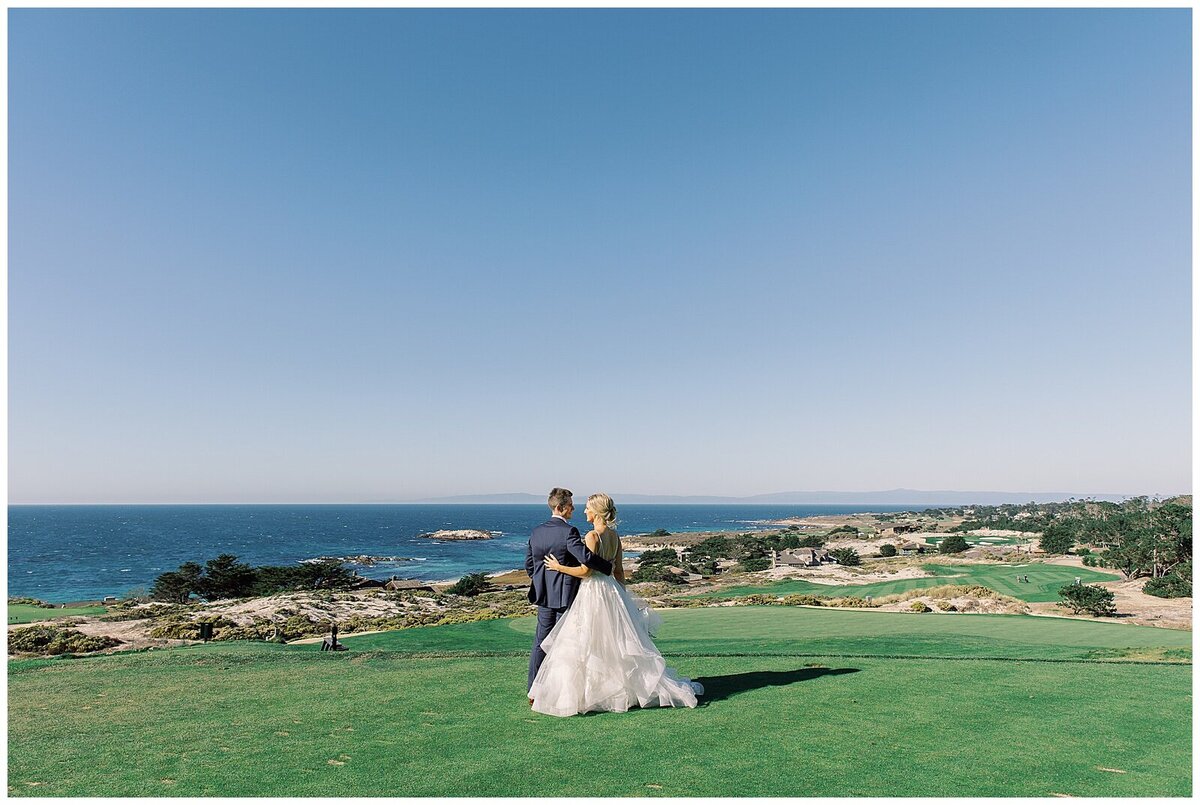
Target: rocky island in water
459, 534
360, 559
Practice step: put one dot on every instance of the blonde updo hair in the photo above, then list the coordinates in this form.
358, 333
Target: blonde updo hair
605, 511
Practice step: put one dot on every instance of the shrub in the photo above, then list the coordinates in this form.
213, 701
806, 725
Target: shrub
33, 602
180, 628
463, 616
1176, 584
812, 541
661, 532
136, 613
1092, 560
658, 556
784, 541
758, 599
887, 549
299, 626
853, 601
1167, 587
1090, 598
919, 606
797, 600
955, 543
755, 563
845, 529
47, 639
470, 585
327, 574
846, 556
711, 548
656, 573
1082, 551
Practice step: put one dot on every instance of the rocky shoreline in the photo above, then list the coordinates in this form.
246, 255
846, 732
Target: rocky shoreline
298, 615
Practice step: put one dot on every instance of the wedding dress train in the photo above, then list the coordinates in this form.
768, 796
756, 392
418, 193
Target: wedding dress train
600, 657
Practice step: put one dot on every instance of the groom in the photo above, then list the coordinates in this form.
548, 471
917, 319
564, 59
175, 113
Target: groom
553, 592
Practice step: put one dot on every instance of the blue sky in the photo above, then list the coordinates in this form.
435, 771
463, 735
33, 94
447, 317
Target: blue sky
262, 255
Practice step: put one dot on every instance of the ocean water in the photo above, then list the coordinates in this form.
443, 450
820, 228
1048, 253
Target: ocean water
72, 553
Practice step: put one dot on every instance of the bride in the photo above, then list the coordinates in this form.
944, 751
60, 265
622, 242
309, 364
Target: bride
599, 656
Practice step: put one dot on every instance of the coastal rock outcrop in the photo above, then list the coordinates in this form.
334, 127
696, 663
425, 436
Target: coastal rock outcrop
360, 559
459, 534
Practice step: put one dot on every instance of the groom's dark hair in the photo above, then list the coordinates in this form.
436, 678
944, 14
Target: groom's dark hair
559, 498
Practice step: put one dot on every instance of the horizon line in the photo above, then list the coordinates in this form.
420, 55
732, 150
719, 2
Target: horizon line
749, 500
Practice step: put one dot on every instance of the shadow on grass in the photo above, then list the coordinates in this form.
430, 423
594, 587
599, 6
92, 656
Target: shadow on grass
719, 688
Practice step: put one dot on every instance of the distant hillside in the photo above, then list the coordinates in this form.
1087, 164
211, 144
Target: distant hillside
890, 496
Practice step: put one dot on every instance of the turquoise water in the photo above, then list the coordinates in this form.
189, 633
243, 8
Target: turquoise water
71, 553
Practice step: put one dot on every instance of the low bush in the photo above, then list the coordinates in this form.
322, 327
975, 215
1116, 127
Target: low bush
1090, 598
32, 602
178, 627
661, 532
754, 564
136, 613
470, 585
658, 573
47, 639
955, 543
852, 601
1176, 584
658, 556
711, 548
887, 549
758, 599
919, 606
846, 556
467, 616
799, 600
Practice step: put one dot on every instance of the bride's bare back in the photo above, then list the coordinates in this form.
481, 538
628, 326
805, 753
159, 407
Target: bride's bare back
606, 544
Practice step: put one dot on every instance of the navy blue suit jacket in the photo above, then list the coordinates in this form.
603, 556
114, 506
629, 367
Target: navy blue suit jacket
549, 588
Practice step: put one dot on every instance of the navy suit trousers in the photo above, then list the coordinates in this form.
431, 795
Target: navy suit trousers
546, 618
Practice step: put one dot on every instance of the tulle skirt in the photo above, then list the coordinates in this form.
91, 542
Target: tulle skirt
599, 657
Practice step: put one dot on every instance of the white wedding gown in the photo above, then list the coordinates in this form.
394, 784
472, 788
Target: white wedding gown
599, 657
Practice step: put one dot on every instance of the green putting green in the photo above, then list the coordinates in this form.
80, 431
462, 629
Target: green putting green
1043, 585
25, 613
441, 711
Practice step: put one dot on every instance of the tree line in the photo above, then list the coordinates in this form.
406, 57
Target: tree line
226, 577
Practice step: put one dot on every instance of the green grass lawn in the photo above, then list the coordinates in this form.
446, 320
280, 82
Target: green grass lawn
1044, 582
25, 613
894, 705
975, 539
